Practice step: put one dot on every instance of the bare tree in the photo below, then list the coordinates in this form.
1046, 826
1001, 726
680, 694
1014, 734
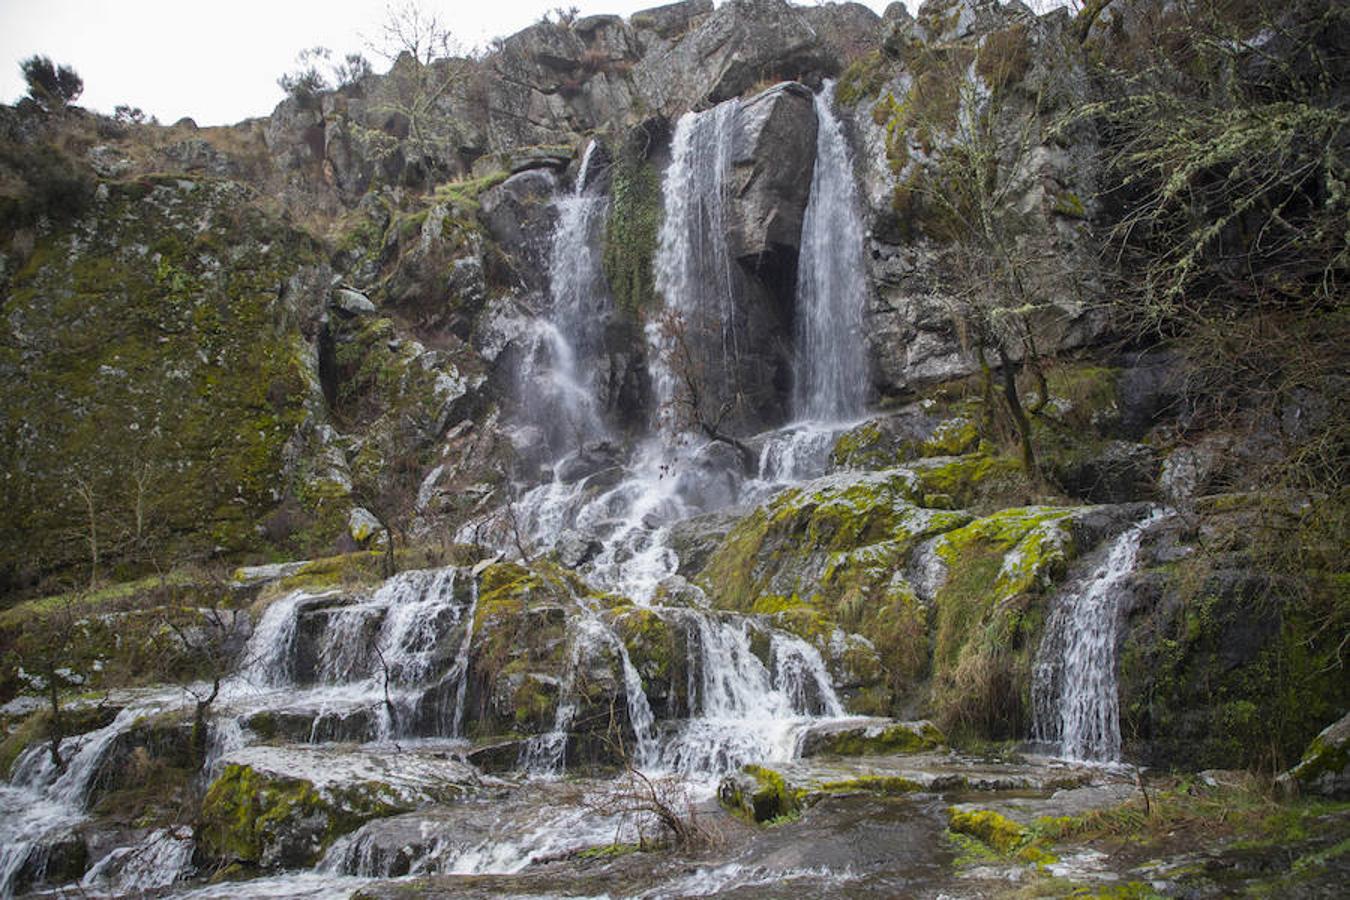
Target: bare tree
660, 803
428, 69
53, 647
967, 194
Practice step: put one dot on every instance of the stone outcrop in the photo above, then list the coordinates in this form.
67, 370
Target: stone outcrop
772, 157
907, 101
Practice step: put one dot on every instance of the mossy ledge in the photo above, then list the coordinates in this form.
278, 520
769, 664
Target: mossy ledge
263, 821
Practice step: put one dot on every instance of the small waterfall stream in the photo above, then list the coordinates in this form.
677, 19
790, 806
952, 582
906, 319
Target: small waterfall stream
393, 651
1075, 701
44, 800
556, 387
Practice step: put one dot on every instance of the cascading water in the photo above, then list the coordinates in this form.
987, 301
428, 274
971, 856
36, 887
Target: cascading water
44, 799
742, 708
385, 652
1075, 700
831, 283
556, 385
693, 265
746, 711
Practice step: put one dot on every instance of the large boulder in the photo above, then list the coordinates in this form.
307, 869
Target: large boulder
519, 216
274, 808
739, 45
1325, 767
773, 153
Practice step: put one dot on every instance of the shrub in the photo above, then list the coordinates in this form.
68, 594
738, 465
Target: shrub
50, 86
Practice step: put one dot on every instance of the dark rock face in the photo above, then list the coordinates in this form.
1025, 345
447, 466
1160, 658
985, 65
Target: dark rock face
1211, 648
772, 158
1121, 472
519, 216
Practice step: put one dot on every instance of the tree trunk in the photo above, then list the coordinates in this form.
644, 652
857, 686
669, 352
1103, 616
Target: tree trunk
57, 730
1019, 416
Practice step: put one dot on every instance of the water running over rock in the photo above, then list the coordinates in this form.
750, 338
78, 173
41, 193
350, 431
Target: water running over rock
696, 337
1075, 700
831, 283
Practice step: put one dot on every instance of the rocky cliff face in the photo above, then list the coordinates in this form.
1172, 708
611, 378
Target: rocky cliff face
317, 333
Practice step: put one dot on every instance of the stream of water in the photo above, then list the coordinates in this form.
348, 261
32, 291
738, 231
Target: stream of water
1075, 699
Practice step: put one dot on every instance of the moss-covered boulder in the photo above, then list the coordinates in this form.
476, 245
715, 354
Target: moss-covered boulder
1224, 663
877, 738
758, 794
534, 642
658, 646
996, 573
269, 821
1325, 767
833, 555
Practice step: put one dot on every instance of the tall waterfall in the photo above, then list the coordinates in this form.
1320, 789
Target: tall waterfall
742, 706
693, 261
1074, 690
558, 389
831, 383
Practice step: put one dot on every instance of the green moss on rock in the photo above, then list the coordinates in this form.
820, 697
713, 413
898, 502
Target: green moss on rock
759, 794
253, 818
887, 740
151, 349
998, 832
989, 614
829, 554
631, 231
884, 785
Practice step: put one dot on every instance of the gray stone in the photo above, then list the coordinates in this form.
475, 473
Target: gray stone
592, 458
672, 19
695, 539
575, 550
773, 153
363, 526
728, 52
846, 30
519, 216
1325, 767
255, 576
352, 303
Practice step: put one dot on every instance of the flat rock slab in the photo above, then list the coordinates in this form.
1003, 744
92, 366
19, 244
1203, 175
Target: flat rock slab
419, 775
1064, 802
933, 773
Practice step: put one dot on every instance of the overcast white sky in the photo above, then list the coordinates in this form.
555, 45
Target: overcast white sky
218, 61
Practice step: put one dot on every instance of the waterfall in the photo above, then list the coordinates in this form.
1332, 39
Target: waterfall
1075, 702
556, 384
831, 380
384, 652
746, 711
462, 662
745, 706
693, 263
269, 654
43, 799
